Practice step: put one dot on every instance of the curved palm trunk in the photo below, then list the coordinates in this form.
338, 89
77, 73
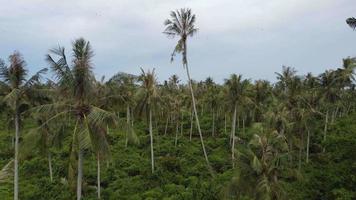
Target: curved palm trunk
16, 172
197, 118
50, 166
233, 137
151, 137
98, 175
80, 174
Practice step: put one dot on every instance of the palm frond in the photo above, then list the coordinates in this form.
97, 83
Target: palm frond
351, 22
6, 172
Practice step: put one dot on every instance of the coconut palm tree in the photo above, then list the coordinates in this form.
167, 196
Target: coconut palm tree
17, 91
148, 95
258, 176
351, 22
182, 24
237, 96
76, 85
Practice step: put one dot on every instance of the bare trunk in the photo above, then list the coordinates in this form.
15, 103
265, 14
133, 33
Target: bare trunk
225, 124
326, 127
16, 168
191, 126
308, 143
50, 166
80, 174
176, 138
243, 125
128, 125
197, 118
181, 125
213, 131
151, 137
98, 176
166, 127
233, 137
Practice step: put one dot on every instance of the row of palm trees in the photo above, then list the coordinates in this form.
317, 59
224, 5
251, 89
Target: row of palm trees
90, 108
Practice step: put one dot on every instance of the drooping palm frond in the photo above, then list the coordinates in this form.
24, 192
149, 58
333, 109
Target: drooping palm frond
6, 172
100, 117
35, 78
351, 22
12, 98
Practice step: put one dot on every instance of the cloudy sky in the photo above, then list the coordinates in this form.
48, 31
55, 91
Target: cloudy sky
254, 38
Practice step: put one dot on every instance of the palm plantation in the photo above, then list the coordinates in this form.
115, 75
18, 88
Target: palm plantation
68, 135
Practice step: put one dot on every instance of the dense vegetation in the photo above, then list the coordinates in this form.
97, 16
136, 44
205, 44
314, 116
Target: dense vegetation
131, 137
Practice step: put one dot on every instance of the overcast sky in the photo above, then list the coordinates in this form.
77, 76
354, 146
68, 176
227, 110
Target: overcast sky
254, 38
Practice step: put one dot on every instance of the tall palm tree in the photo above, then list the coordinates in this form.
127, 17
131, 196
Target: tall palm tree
237, 96
182, 24
17, 89
76, 87
149, 97
351, 22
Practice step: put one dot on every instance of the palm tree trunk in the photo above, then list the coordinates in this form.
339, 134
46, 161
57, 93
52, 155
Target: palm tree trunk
213, 131
233, 137
181, 125
98, 175
16, 168
80, 174
128, 125
166, 127
176, 138
197, 118
326, 127
191, 126
151, 138
308, 143
243, 125
50, 166
225, 123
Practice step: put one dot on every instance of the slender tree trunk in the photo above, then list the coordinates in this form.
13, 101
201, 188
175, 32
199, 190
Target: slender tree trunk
16, 168
176, 138
191, 125
213, 131
166, 127
128, 125
50, 166
181, 125
151, 137
233, 137
225, 123
300, 154
132, 118
197, 118
98, 176
80, 174
243, 125
326, 127
308, 143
